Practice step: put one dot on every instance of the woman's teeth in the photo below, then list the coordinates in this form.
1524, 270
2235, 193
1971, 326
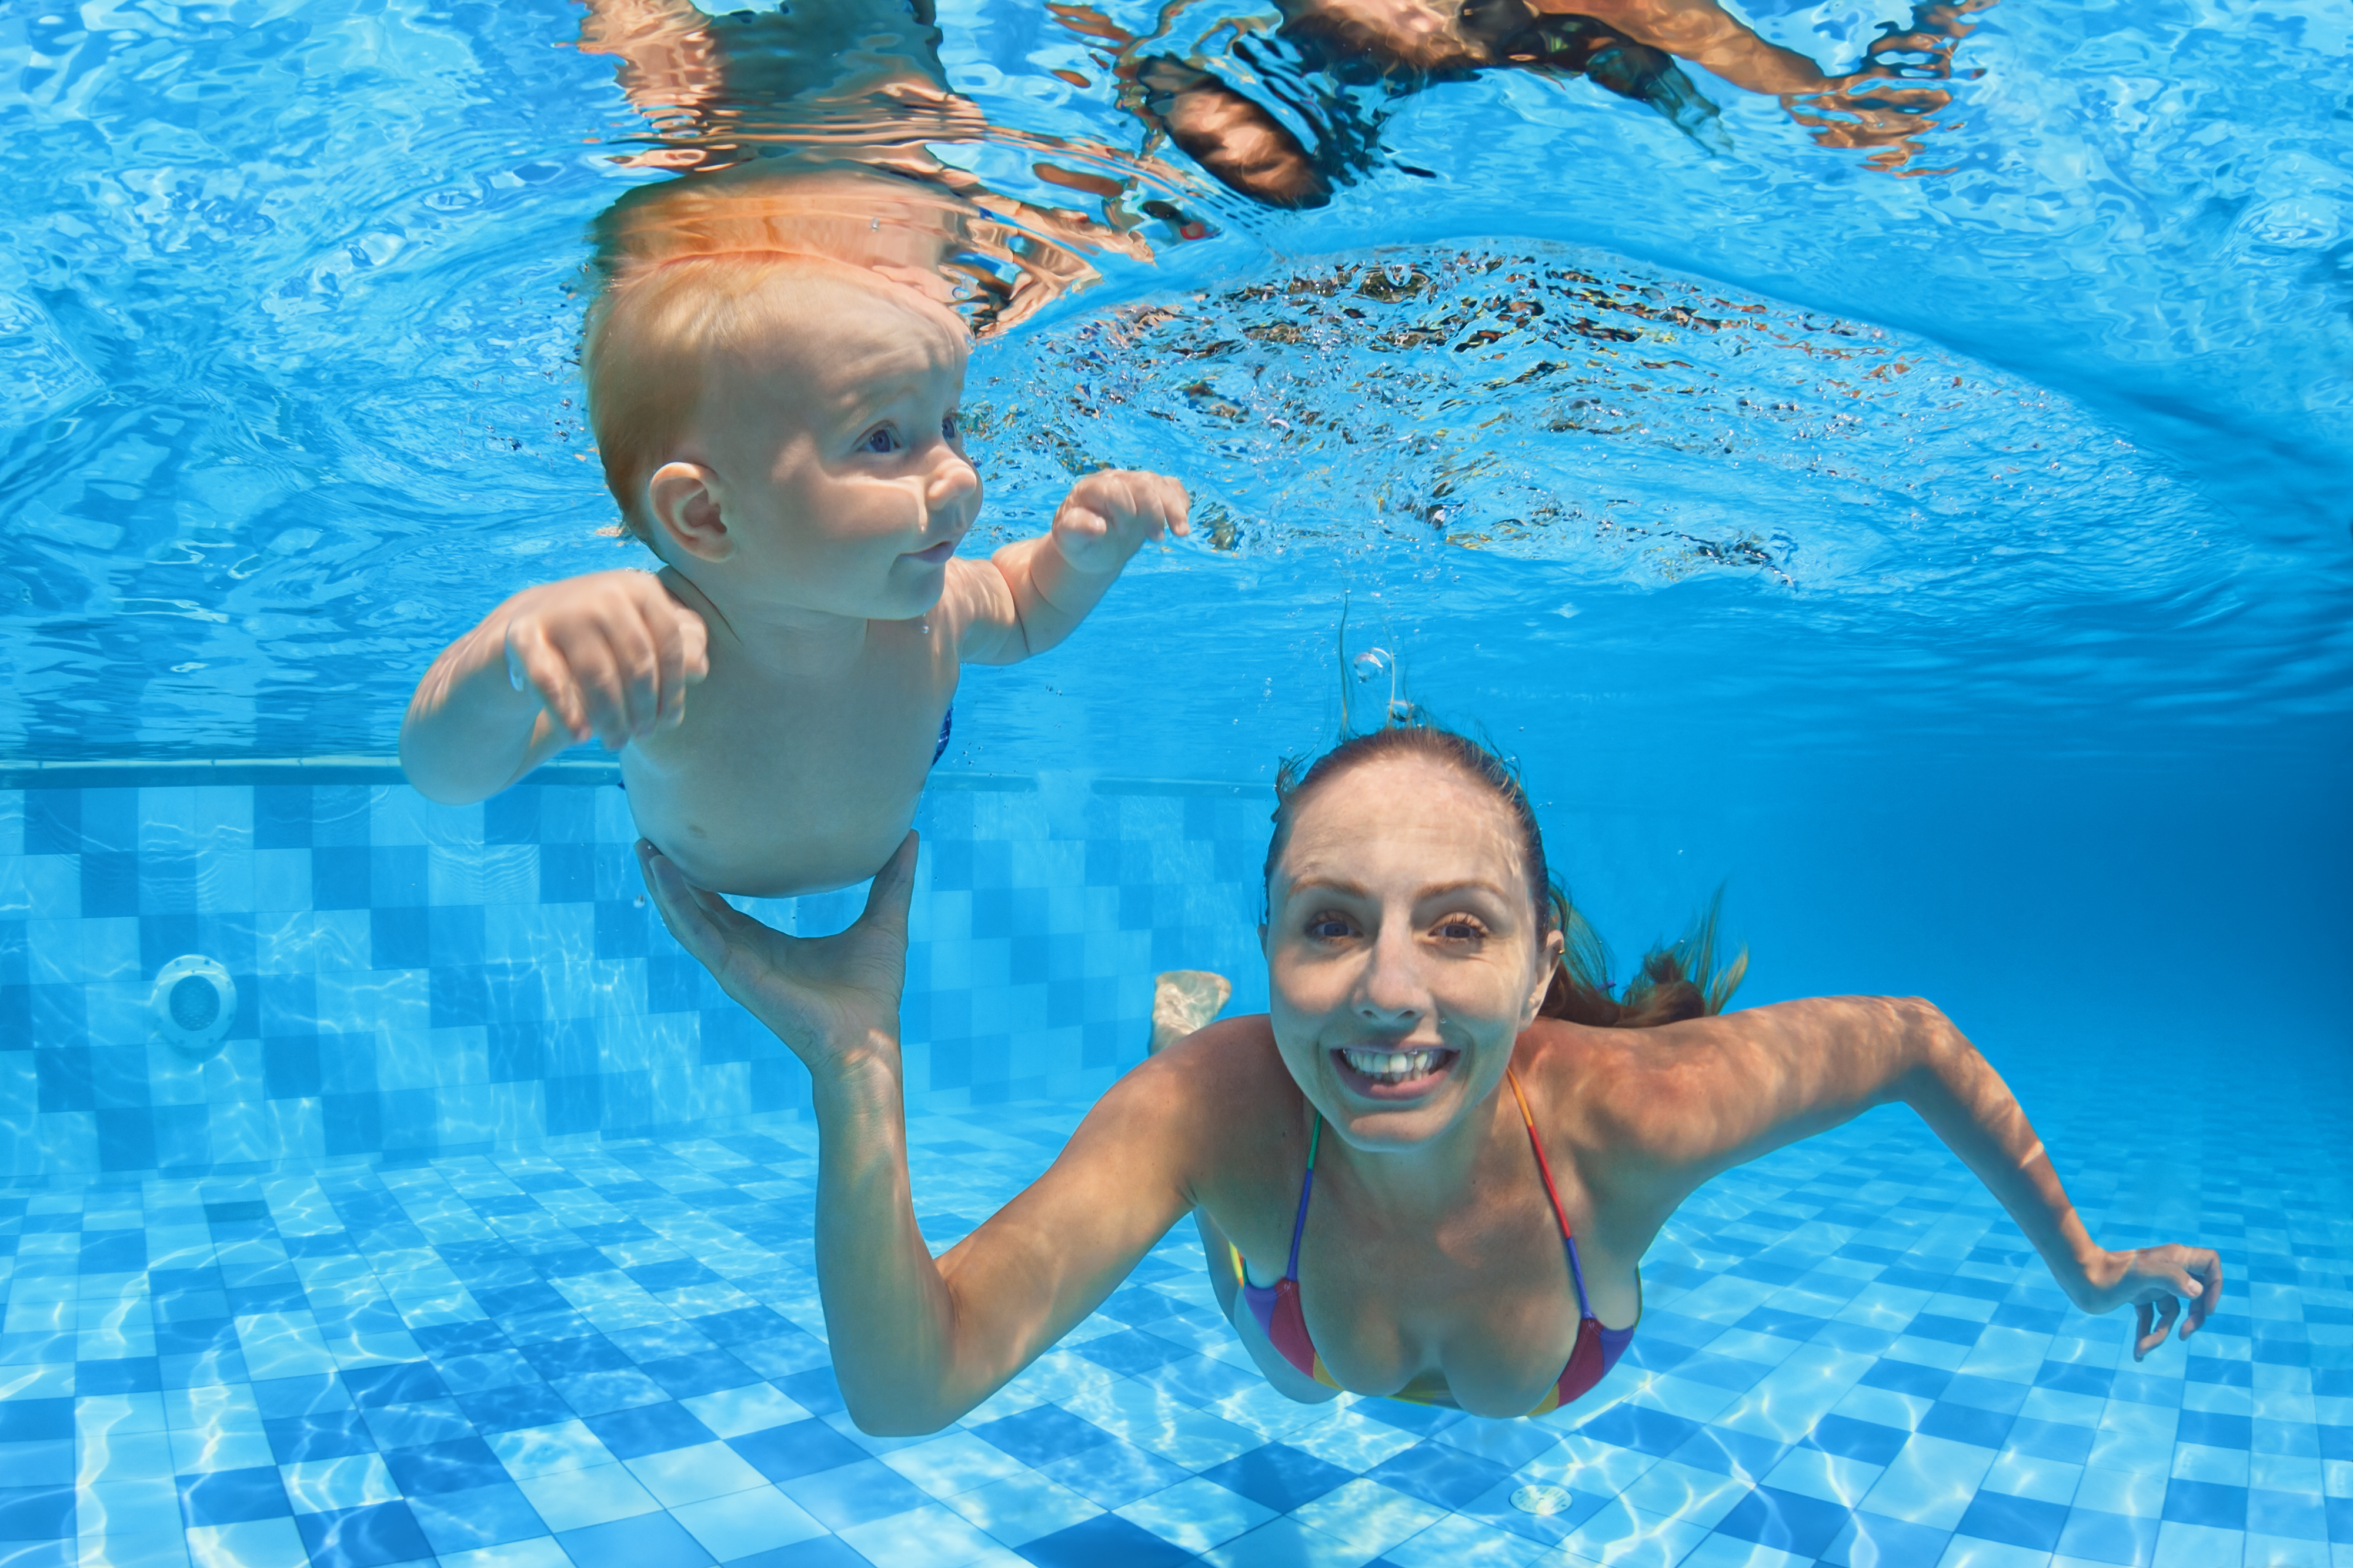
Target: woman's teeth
1391, 1067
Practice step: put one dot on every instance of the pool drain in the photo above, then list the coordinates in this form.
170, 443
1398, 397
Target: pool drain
195, 1003
1543, 1499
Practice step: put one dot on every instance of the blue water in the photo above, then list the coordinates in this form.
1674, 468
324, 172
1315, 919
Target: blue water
1943, 542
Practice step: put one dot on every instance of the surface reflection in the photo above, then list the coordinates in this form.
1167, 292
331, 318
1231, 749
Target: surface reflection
807, 131
1332, 71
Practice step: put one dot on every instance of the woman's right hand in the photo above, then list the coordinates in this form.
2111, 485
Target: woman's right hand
833, 999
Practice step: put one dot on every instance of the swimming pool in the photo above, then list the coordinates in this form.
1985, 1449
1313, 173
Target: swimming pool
1941, 541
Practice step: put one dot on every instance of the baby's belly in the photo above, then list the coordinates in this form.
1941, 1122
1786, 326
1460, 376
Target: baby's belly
773, 842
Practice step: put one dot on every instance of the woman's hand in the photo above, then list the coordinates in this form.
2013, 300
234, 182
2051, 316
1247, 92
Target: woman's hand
2156, 1281
832, 999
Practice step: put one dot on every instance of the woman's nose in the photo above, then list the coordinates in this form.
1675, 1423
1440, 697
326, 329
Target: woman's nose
1393, 992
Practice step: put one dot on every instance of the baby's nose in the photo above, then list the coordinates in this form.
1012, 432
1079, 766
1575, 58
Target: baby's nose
951, 477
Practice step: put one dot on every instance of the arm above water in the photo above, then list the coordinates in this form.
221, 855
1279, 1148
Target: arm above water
1688, 1100
918, 1340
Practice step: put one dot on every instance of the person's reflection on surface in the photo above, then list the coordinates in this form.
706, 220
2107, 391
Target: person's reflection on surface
806, 128
1342, 60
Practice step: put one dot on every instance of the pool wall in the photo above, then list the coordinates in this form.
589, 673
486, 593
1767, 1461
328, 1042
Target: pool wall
415, 980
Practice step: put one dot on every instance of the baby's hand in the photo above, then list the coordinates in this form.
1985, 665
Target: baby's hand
610, 654
1109, 515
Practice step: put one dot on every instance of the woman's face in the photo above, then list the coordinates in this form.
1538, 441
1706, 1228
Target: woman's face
1403, 957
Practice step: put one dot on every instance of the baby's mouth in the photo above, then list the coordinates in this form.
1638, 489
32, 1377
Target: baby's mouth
935, 554
1383, 1073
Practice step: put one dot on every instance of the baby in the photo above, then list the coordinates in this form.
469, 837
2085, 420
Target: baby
781, 429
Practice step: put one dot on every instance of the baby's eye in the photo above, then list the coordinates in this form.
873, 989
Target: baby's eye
950, 429
882, 438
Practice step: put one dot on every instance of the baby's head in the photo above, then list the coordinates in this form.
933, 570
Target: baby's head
781, 427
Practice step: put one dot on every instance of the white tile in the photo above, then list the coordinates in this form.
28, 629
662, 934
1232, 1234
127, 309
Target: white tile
544, 1450
1455, 1541
1622, 1536
1020, 1508
1724, 1552
539, 1551
1811, 1472
1196, 1514
928, 1537
733, 1412
1366, 1514
1966, 1552
2202, 1462
2023, 1474
957, 1462
1685, 1493
742, 1524
2197, 1545
574, 1499
690, 1475
259, 1544
1930, 1482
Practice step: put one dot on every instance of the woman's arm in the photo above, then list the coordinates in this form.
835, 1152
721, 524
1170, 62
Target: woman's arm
1697, 1098
918, 1341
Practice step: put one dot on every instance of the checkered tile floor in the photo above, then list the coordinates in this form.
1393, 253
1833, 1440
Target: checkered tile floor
611, 1358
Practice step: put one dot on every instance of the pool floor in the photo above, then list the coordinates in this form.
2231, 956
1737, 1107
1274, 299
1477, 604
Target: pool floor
611, 1356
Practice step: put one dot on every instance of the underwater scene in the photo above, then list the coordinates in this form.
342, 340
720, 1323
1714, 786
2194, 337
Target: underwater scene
1351, 783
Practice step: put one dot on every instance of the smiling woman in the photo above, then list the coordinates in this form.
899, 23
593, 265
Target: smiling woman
1478, 1167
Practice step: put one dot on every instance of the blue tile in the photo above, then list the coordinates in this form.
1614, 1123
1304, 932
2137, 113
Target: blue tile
1906, 1377
1851, 1439
31, 1420
1874, 1541
399, 1383
800, 1448
417, 1425
1041, 1435
233, 1496
1105, 1541
647, 1540
35, 1513
2014, 1520
854, 1494
2206, 1502
570, 1358
2340, 1520
513, 1408
683, 1377
460, 1338
2109, 1538
461, 1463
1966, 1424
2075, 1377
2299, 1516
1439, 1473
1788, 1521
1280, 1477
1640, 1428
649, 1430
331, 1435
1130, 1351
2215, 1431
486, 1516
363, 1537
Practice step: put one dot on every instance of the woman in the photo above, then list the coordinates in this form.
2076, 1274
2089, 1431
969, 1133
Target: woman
1427, 1191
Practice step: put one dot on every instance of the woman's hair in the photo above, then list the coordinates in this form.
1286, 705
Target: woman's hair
1671, 984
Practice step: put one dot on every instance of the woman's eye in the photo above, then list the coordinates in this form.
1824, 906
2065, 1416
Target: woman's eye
950, 429
1460, 930
1328, 928
882, 438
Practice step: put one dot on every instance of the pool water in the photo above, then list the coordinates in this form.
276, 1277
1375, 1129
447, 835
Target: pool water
1937, 539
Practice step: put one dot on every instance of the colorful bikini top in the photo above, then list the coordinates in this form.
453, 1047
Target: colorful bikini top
1278, 1311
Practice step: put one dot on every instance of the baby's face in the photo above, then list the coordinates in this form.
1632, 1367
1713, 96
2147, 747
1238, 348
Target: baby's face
847, 485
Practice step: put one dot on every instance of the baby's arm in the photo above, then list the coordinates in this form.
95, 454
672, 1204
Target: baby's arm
1034, 594
608, 654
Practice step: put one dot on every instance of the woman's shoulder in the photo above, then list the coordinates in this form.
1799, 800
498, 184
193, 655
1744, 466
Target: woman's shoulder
1226, 1078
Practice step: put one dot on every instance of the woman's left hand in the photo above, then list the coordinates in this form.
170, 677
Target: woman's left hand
835, 999
2157, 1281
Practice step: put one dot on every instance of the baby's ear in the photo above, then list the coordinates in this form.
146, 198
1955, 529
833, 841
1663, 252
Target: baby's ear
685, 502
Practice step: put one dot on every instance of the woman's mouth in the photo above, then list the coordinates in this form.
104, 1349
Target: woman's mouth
1380, 1073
